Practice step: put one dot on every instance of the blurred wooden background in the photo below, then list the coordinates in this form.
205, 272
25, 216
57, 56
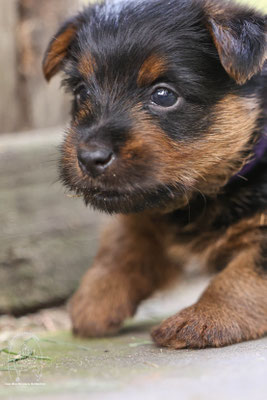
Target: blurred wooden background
26, 101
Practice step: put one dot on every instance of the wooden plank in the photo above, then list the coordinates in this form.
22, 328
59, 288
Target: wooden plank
47, 240
9, 110
26, 27
44, 105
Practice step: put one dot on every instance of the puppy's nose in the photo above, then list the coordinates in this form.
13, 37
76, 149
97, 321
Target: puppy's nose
95, 161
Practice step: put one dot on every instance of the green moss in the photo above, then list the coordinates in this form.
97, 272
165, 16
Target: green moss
64, 362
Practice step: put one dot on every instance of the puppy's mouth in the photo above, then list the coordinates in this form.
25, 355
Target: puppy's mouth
129, 201
120, 190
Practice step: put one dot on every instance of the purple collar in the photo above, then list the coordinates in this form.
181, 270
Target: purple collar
259, 151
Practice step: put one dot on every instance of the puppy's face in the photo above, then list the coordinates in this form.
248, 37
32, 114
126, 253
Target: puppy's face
163, 102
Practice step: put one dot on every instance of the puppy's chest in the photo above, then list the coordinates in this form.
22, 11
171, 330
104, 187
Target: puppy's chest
190, 248
199, 246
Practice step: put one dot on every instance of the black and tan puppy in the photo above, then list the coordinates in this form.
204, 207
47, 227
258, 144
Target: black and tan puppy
168, 131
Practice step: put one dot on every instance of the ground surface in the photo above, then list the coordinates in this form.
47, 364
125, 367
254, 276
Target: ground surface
40, 359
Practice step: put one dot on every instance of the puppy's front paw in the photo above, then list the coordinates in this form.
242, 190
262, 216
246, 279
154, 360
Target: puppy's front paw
100, 306
199, 326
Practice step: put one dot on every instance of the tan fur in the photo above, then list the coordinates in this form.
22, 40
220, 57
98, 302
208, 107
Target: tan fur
134, 260
87, 65
233, 308
130, 265
220, 17
57, 51
84, 112
151, 69
226, 60
211, 159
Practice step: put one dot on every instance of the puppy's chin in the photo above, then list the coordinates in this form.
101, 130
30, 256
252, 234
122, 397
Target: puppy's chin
135, 201
114, 195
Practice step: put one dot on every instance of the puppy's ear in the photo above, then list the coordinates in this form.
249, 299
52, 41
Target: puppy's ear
240, 38
58, 48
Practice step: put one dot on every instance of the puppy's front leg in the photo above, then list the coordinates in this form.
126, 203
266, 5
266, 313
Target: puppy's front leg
234, 306
129, 266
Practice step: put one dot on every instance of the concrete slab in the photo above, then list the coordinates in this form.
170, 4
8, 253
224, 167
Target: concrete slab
129, 366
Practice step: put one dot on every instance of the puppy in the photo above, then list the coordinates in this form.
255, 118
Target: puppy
169, 132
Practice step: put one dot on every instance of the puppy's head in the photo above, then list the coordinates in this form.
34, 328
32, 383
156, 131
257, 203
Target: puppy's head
166, 99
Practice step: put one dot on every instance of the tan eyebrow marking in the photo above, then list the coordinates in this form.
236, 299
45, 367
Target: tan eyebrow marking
152, 68
87, 65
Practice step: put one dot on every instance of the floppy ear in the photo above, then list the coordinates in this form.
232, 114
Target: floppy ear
58, 48
240, 38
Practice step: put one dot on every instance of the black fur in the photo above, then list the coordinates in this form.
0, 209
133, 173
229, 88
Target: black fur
120, 36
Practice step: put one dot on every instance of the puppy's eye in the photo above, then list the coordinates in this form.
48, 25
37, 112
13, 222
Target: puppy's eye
81, 94
164, 97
